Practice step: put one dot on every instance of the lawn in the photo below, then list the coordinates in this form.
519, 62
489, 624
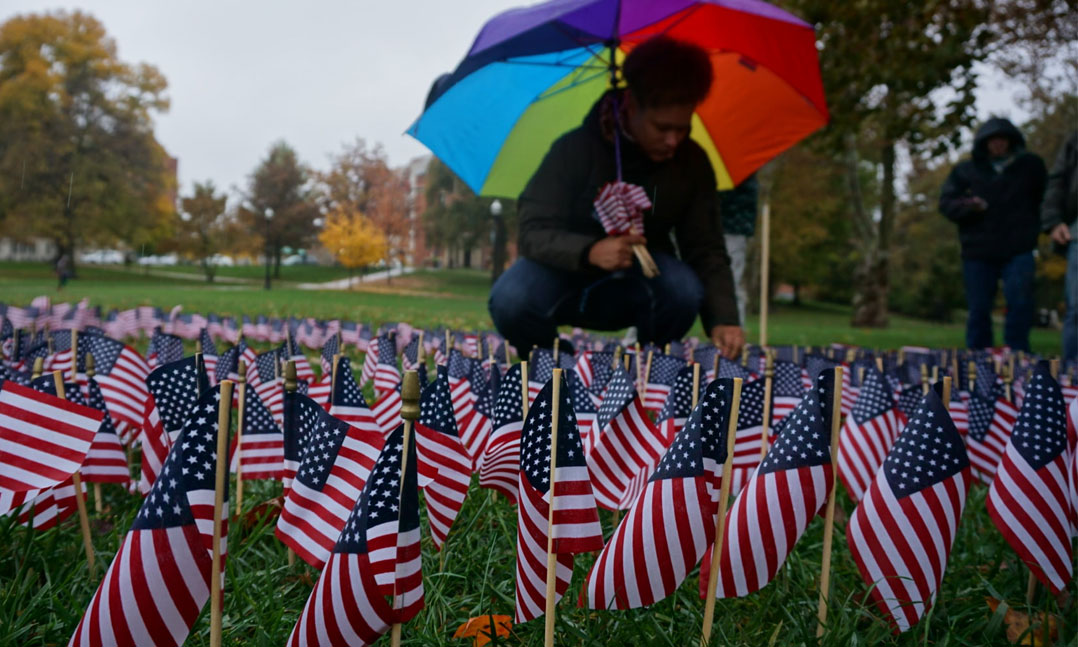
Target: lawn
46, 585
450, 297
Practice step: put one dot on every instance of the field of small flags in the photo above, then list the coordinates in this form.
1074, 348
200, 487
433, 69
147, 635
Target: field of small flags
606, 472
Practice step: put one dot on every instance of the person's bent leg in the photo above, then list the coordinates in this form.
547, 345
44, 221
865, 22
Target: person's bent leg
981, 279
736, 248
674, 300
525, 300
1070, 319
1018, 291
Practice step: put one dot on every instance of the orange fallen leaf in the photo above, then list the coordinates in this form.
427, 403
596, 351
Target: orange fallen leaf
1044, 633
478, 628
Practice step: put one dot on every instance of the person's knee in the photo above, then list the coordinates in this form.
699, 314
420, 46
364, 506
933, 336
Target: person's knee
680, 289
508, 300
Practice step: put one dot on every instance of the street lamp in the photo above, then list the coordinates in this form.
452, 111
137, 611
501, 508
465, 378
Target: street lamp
497, 241
268, 214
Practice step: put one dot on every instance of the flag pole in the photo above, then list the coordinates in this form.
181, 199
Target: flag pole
241, 396
924, 379
695, 384
76, 480
1031, 586
551, 556
639, 367
409, 414
74, 355
765, 267
290, 385
90, 372
720, 521
524, 387
647, 372
829, 516
554, 352
38, 369
224, 418
765, 428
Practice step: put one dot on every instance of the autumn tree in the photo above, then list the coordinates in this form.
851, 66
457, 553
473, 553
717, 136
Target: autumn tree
456, 219
79, 163
203, 227
898, 75
279, 206
360, 180
353, 239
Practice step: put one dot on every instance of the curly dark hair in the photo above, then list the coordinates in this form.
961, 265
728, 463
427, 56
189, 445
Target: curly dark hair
663, 71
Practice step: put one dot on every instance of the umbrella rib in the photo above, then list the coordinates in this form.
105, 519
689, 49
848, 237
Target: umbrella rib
570, 86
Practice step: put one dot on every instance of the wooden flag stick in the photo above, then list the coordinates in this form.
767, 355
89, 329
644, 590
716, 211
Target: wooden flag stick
924, 379
695, 384
765, 426
720, 521
409, 414
946, 390
647, 372
829, 515
333, 377
290, 385
551, 556
639, 368
524, 388
76, 480
224, 419
38, 369
99, 505
554, 352
765, 269
241, 396
74, 355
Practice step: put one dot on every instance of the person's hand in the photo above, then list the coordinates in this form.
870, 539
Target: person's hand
977, 203
1061, 234
614, 252
729, 340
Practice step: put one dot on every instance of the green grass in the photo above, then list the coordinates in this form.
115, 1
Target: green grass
427, 298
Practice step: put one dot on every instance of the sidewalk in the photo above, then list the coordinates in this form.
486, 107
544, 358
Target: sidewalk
347, 284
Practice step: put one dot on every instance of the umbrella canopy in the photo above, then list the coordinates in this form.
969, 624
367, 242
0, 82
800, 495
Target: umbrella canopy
533, 73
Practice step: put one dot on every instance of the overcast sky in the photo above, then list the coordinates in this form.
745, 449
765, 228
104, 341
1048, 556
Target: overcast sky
243, 74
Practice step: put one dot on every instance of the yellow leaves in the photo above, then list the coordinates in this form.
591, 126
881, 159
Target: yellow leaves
1044, 632
478, 628
352, 239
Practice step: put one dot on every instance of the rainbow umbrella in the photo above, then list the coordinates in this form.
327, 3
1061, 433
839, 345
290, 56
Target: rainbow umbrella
533, 73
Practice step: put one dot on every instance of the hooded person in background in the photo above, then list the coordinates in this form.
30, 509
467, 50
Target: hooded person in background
571, 272
995, 200
1059, 219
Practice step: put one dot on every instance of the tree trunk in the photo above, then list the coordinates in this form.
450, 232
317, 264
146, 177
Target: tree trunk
872, 277
209, 270
468, 257
797, 294
499, 252
276, 262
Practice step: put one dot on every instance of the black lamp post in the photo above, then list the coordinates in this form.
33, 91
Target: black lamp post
497, 241
268, 213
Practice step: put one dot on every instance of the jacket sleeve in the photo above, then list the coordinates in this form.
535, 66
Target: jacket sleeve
1055, 194
954, 201
703, 248
545, 210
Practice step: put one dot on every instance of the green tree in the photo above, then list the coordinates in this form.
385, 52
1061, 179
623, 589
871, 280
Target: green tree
279, 204
203, 227
897, 75
78, 160
456, 219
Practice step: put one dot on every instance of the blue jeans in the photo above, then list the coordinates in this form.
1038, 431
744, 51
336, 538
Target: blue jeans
982, 281
1070, 319
530, 300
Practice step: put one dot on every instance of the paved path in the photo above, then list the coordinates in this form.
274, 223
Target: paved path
347, 284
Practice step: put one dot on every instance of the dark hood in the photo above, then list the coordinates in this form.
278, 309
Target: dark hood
991, 128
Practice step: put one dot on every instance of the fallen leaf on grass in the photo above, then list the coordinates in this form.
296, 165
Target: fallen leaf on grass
1044, 633
267, 510
478, 628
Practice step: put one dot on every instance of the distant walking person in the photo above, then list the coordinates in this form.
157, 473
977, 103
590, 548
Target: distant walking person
737, 209
63, 270
995, 200
1059, 218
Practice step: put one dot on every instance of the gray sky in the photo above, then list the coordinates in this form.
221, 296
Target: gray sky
243, 74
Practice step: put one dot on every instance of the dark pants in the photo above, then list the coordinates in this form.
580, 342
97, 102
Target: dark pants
530, 300
1070, 319
982, 281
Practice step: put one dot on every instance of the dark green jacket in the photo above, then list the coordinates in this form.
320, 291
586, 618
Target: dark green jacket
557, 225
737, 207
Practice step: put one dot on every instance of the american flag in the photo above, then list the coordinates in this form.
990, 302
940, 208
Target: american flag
622, 442
728, 369
228, 364
909, 399
1028, 499
209, 354
164, 349
106, 461
376, 556
781, 498
121, 374
445, 470
290, 351
387, 411
678, 405
594, 368
664, 370
787, 389
370, 362
474, 425
43, 440
329, 349
868, 434
321, 389
921, 489
47, 508
959, 410
410, 354
173, 388
576, 520
334, 461
263, 376
386, 375
348, 402
991, 418
670, 525
585, 404
160, 578
750, 434
1072, 468
499, 468
262, 444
